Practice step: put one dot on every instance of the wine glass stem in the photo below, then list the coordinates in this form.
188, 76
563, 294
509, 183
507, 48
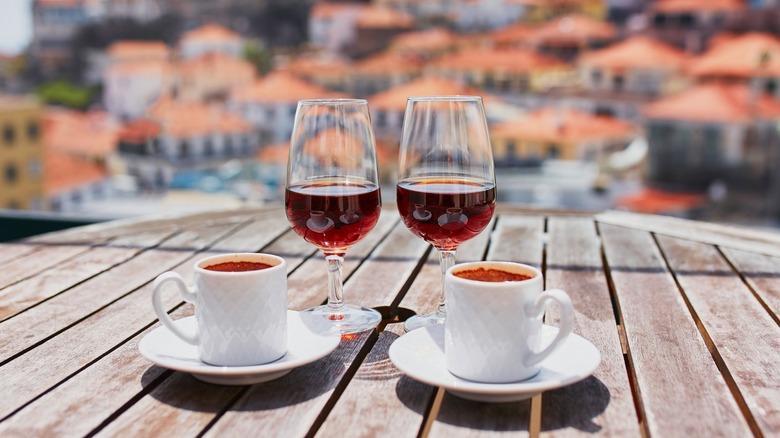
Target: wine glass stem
335, 287
446, 260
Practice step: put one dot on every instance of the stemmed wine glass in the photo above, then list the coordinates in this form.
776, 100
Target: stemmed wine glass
332, 195
446, 189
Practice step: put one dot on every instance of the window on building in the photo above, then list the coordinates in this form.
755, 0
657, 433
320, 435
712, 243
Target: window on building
11, 174
770, 86
33, 130
13, 204
381, 119
659, 20
9, 134
270, 114
687, 20
554, 151
618, 82
596, 77
35, 169
208, 148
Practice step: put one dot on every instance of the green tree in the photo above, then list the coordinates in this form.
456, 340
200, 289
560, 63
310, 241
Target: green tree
258, 56
64, 93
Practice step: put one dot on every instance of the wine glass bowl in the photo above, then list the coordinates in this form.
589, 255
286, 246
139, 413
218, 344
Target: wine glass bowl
446, 191
332, 197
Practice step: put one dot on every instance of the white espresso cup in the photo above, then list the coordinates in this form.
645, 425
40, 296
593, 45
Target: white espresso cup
241, 314
492, 329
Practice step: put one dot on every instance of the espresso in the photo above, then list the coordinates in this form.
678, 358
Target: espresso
241, 266
490, 275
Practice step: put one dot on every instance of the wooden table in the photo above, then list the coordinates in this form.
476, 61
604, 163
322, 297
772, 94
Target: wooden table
685, 315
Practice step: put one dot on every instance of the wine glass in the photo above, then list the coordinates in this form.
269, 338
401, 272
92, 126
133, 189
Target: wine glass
446, 189
332, 195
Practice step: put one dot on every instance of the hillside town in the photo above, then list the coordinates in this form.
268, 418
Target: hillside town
122, 107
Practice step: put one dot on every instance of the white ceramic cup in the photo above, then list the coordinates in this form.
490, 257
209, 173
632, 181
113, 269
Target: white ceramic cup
241, 315
492, 329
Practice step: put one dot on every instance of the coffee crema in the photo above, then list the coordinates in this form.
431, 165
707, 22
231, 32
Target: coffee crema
491, 275
241, 266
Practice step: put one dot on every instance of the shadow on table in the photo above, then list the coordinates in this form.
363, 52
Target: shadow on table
575, 406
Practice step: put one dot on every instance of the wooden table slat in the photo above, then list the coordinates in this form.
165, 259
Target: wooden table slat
722, 301
380, 400
602, 403
681, 389
762, 274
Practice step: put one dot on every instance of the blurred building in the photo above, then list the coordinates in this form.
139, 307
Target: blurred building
55, 22
329, 71
210, 76
689, 24
511, 71
560, 134
425, 44
388, 107
752, 58
464, 15
211, 38
130, 88
269, 104
540, 11
79, 158
380, 72
21, 159
620, 79
180, 136
713, 133
570, 35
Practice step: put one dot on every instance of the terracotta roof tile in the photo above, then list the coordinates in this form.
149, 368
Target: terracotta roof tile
158, 67
394, 99
511, 35
219, 62
380, 17
139, 131
134, 49
652, 201
92, 134
752, 54
715, 103
678, 6
279, 153
573, 29
564, 125
63, 171
189, 119
636, 52
210, 32
281, 87
425, 40
324, 9
504, 60
387, 63
313, 66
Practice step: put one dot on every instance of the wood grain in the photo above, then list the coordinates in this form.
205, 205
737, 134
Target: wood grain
755, 240
380, 400
65, 309
82, 403
721, 301
27, 265
680, 389
762, 273
291, 405
29, 292
603, 403
9, 251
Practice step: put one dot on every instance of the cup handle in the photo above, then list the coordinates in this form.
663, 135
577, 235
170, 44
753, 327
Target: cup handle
565, 326
188, 295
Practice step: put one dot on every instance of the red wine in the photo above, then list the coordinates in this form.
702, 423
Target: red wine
333, 215
447, 211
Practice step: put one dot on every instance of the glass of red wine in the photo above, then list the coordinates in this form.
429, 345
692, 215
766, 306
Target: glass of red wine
446, 189
332, 195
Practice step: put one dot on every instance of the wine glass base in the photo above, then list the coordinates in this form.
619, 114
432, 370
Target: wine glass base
420, 321
346, 319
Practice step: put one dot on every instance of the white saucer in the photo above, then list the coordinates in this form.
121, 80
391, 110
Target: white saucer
305, 344
420, 355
